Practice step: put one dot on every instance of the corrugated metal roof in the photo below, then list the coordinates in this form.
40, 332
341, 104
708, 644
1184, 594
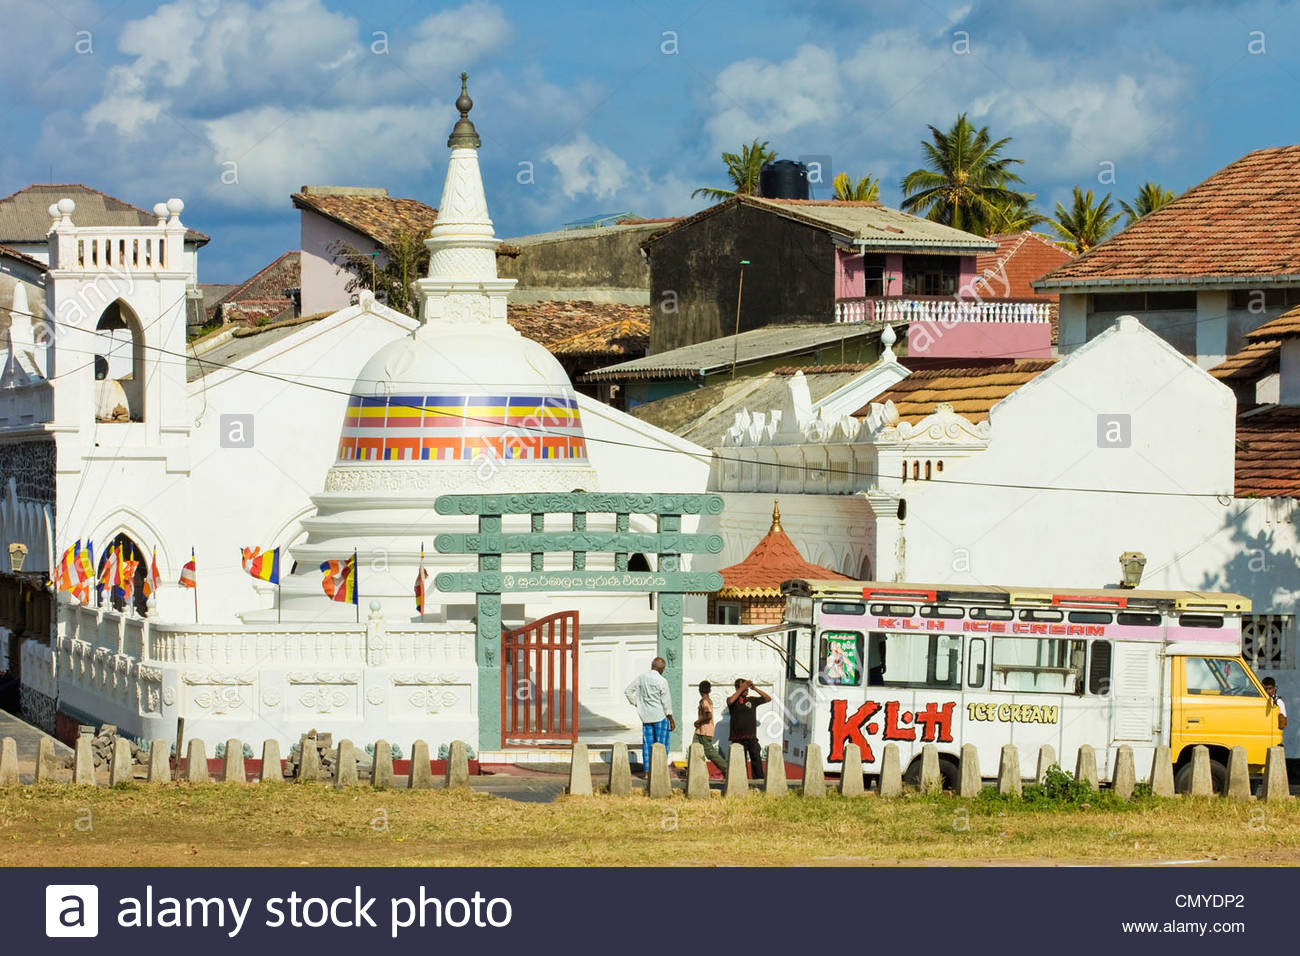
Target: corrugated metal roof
25, 216
771, 341
864, 223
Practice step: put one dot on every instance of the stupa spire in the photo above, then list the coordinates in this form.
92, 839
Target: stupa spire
462, 284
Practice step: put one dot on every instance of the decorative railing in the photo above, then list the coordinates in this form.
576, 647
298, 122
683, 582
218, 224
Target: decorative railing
903, 310
125, 248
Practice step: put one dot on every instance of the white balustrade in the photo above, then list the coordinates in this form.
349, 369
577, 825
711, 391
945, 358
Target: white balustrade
122, 248
853, 311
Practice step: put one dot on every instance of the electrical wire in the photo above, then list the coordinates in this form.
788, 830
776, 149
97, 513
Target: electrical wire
713, 455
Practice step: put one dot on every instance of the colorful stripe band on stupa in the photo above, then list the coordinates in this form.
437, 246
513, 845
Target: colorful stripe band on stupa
462, 428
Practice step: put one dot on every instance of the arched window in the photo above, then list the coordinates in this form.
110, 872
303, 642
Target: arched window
124, 549
120, 391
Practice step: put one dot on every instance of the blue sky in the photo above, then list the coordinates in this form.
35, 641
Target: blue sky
587, 108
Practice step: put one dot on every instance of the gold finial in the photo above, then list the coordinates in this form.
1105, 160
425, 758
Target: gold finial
776, 517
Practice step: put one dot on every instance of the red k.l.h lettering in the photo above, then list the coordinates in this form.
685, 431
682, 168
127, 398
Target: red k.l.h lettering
847, 729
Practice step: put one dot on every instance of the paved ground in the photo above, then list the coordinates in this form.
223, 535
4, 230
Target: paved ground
28, 739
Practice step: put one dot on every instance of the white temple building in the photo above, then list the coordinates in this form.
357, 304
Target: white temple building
320, 439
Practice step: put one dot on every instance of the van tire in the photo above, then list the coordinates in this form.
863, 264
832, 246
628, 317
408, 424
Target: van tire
949, 773
1218, 778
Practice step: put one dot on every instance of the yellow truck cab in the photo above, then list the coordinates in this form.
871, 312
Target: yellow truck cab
871, 663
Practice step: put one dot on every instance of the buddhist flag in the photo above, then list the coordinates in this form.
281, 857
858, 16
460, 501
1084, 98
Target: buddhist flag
128, 579
420, 577
63, 578
108, 575
84, 560
340, 581
189, 573
263, 565
153, 579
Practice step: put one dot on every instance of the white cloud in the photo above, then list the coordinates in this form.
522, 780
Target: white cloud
869, 109
586, 167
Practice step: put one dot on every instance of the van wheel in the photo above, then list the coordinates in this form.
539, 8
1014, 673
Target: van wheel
949, 773
1218, 778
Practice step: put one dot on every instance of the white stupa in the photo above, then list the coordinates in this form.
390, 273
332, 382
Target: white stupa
463, 405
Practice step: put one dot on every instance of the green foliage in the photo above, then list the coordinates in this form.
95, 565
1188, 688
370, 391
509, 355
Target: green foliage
965, 178
865, 189
743, 171
390, 272
1085, 223
1013, 215
1149, 198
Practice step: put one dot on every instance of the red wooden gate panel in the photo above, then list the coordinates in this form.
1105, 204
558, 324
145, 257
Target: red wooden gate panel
539, 682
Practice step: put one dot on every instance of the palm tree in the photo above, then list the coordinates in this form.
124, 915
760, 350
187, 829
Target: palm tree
964, 178
865, 189
742, 170
1149, 198
1012, 216
1085, 224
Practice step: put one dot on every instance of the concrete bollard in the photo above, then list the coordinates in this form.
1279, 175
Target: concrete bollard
1275, 786
457, 777
160, 763
891, 772
309, 768
931, 778
737, 784
1162, 773
46, 768
1202, 784
971, 783
233, 770
1009, 770
121, 767
8, 762
814, 773
1124, 779
774, 784
697, 774
620, 771
272, 771
579, 772
345, 766
381, 766
421, 775
1238, 787
658, 785
851, 772
1046, 761
1085, 766
196, 770
83, 762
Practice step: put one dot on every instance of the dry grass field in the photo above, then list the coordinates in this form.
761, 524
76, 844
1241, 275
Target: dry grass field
232, 825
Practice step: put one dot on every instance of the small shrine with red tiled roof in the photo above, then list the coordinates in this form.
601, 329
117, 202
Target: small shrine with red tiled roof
751, 589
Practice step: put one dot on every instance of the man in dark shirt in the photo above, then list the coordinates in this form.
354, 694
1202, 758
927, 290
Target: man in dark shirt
744, 722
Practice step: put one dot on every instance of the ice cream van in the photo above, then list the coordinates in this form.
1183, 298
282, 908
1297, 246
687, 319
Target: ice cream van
872, 663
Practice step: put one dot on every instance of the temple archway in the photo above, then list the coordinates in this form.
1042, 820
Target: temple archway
120, 377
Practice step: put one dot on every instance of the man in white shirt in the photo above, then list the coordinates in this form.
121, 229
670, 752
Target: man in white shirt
650, 695
1270, 688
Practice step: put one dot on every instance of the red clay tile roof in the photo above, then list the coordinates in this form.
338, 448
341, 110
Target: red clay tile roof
11, 253
1021, 258
614, 341
283, 272
1285, 326
552, 322
1242, 221
1255, 360
380, 218
773, 560
1268, 453
971, 391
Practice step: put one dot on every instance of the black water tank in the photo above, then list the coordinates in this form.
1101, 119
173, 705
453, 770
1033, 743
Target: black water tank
783, 179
